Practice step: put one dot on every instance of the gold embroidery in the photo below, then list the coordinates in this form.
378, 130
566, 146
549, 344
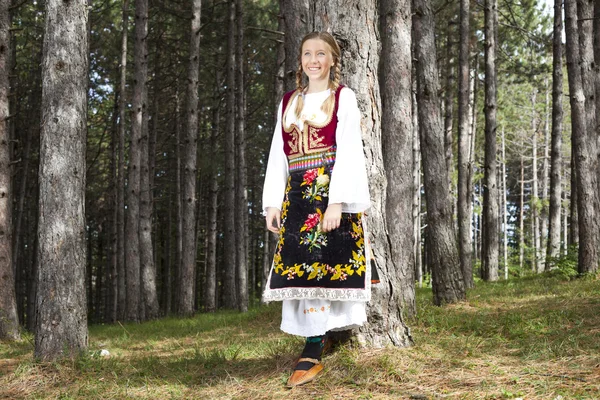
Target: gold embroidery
308, 140
314, 139
294, 142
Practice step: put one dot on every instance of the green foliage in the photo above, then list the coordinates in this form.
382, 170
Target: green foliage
565, 265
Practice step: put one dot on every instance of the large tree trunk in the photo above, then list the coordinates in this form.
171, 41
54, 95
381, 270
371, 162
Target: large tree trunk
489, 262
464, 205
9, 321
189, 172
348, 20
297, 23
61, 323
230, 266
448, 285
396, 138
148, 297
241, 208
553, 248
583, 140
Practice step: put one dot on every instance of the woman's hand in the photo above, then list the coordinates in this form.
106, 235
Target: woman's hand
273, 213
332, 217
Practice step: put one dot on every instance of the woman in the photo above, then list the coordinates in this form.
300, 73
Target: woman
314, 195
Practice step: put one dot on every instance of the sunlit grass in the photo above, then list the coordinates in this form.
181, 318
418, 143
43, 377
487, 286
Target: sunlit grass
534, 338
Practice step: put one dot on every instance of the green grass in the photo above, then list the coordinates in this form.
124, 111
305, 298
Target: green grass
531, 338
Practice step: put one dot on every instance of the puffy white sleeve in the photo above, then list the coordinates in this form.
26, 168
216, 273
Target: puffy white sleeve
277, 170
349, 184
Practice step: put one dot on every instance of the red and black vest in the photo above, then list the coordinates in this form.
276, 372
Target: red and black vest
314, 137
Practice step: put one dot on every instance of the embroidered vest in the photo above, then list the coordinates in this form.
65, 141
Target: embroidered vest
314, 137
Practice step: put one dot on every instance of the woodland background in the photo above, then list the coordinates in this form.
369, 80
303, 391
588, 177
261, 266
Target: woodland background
478, 151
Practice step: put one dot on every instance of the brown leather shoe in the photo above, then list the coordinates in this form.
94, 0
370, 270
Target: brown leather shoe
301, 377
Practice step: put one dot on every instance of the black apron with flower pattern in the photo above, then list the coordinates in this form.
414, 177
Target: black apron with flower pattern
307, 257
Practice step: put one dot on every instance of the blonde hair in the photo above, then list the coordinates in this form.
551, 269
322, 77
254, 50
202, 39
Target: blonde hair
334, 82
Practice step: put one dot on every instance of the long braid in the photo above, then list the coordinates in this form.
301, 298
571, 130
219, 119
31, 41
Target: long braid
299, 91
334, 83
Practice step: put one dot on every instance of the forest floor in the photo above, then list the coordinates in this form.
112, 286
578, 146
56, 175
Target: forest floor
529, 338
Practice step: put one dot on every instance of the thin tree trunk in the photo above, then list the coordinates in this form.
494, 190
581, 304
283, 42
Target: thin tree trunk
121, 274
553, 248
179, 205
584, 140
448, 284
9, 320
535, 198
416, 173
148, 296
574, 231
522, 214
464, 206
241, 208
190, 150
449, 103
61, 323
489, 262
210, 289
545, 179
505, 207
230, 265
475, 218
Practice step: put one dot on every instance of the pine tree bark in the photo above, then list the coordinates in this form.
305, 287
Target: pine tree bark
297, 16
464, 208
489, 264
178, 204
554, 230
544, 182
241, 209
189, 171
230, 265
504, 207
148, 296
573, 215
210, 289
416, 173
61, 323
132, 227
449, 103
583, 140
121, 274
448, 285
348, 20
9, 321
535, 198
397, 138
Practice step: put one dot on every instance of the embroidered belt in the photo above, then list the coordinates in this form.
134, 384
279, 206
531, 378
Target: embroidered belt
313, 160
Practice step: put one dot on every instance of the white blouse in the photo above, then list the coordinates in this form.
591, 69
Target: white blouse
349, 183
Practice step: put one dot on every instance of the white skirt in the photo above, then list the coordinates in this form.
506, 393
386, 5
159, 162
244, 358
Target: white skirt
314, 317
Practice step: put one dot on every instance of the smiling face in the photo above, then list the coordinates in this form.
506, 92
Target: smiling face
316, 59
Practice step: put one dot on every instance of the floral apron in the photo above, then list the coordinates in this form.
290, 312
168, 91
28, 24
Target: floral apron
308, 262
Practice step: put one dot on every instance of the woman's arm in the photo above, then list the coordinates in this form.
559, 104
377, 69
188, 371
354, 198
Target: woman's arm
349, 183
275, 178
